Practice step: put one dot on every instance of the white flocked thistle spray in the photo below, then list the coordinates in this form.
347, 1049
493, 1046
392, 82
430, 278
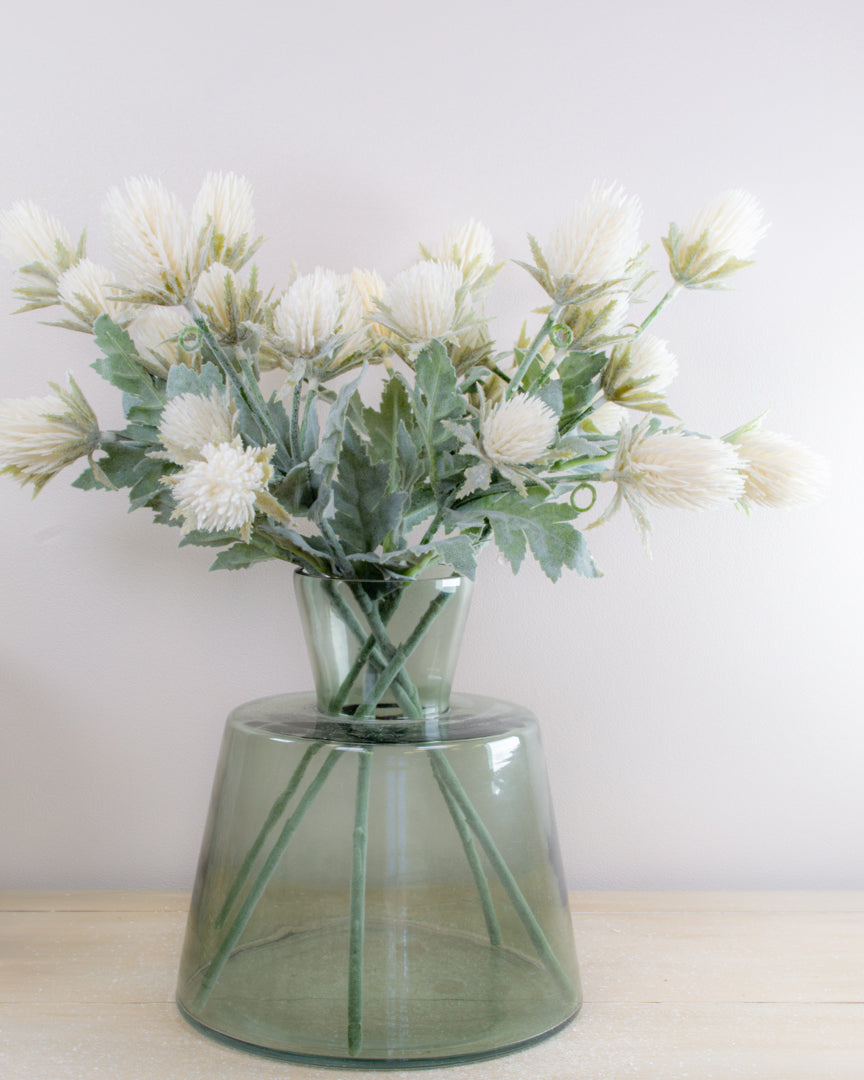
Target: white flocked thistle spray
459, 443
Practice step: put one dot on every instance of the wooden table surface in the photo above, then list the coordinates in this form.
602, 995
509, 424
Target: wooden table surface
678, 986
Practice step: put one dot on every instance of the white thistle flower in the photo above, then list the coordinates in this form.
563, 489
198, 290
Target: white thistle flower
718, 241
86, 291
606, 419
158, 251
155, 334
671, 469
599, 240
190, 422
423, 300
29, 236
514, 433
779, 472
471, 247
211, 293
363, 289
220, 492
308, 315
41, 436
518, 430
224, 205
638, 371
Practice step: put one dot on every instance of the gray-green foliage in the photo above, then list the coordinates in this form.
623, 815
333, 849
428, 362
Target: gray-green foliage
376, 485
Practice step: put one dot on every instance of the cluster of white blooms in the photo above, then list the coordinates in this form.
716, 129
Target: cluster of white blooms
30, 237
39, 436
190, 422
220, 491
362, 293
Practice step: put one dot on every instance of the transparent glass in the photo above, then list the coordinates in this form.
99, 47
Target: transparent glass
380, 891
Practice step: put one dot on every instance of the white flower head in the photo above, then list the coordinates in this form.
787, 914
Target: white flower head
514, 433
41, 436
191, 421
86, 291
779, 472
309, 313
158, 251
423, 301
224, 206
29, 236
638, 371
518, 430
362, 291
671, 469
599, 240
220, 492
156, 335
211, 293
471, 247
606, 419
717, 242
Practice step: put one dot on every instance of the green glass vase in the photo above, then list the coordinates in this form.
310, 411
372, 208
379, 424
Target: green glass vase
379, 883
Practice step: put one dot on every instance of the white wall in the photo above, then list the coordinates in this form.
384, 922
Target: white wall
702, 711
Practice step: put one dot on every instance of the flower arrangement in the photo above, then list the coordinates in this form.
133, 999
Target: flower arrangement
250, 426
245, 421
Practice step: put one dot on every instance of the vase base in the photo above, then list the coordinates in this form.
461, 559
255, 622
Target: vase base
323, 1061
469, 1000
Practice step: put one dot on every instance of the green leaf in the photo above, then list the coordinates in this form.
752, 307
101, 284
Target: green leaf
577, 373
325, 459
366, 511
122, 366
458, 552
240, 556
518, 523
437, 398
120, 464
185, 380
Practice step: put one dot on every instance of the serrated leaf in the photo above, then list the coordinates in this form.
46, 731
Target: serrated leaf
119, 463
458, 552
436, 398
185, 380
366, 511
325, 459
122, 366
392, 430
577, 373
240, 556
518, 523
552, 393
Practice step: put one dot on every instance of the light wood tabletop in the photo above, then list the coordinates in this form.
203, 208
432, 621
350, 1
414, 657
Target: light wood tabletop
678, 986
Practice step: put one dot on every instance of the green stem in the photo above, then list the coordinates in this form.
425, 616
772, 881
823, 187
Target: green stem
223, 953
533, 349
358, 905
252, 854
403, 688
336, 703
505, 875
670, 295
399, 658
470, 848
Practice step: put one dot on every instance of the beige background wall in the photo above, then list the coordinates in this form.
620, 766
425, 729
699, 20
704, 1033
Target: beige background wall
702, 711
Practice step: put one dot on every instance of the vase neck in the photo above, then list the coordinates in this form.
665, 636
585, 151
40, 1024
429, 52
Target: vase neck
383, 650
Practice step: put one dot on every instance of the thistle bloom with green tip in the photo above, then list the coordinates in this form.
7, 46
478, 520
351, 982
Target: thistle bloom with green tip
717, 242
39, 436
778, 471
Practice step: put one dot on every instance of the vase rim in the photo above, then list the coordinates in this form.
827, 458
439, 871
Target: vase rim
446, 578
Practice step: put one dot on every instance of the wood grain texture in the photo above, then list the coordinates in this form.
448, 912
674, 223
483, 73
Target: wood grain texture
678, 986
